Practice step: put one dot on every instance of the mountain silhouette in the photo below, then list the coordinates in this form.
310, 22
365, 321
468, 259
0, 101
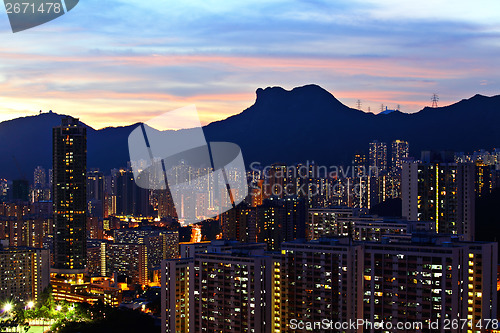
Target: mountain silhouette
304, 124
308, 123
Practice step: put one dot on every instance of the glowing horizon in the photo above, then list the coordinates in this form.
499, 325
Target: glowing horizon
136, 60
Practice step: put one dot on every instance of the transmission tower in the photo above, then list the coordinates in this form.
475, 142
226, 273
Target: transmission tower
435, 99
358, 104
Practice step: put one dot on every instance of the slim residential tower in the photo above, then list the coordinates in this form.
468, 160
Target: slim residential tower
69, 185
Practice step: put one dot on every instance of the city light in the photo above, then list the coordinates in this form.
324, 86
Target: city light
7, 307
59, 308
31, 304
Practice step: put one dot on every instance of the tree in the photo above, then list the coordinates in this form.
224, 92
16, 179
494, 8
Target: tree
46, 298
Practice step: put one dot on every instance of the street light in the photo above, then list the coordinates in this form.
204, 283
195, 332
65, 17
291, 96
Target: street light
31, 304
59, 308
7, 307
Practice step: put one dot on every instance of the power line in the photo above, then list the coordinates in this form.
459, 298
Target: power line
435, 99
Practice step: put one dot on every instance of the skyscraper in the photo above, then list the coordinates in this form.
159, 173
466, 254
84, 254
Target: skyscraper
69, 187
378, 155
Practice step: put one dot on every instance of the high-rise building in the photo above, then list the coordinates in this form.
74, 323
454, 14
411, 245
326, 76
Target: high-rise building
231, 286
485, 178
359, 226
328, 222
24, 274
432, 278
130, 198
332, 284
69, 188
400, 153
39, 177
321, 280
28, 231
378, 156
281, 220
40, 191
277, 179
95, 193
240, 223
128, 260
20, 190
442, 193
176, 276
360, 164
160, 244
225, 289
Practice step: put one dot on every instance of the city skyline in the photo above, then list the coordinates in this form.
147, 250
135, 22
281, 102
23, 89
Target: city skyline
132, 60
421, 269
266, 166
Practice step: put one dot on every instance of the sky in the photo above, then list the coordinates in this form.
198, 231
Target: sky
118, 62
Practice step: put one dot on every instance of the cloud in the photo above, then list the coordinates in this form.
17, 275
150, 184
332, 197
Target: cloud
119, 61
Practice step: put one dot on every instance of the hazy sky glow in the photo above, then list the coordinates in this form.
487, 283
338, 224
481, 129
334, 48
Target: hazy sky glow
128, 61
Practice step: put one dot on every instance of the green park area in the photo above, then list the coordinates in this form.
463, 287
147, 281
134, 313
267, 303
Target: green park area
47, 315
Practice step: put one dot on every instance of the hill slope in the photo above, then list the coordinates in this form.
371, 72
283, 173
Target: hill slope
306, 123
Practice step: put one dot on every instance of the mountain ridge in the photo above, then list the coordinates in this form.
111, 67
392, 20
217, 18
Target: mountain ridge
303, 124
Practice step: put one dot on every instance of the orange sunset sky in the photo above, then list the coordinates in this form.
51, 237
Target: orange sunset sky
123, 62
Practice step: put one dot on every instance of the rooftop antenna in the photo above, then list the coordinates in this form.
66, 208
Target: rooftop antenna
358, 104
435, 99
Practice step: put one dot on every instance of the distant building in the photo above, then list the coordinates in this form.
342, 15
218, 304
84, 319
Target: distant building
352, 222
97, 290
240, 223
281, 220
130, 198
20, 190
161, 244
39, 177
28, 231
360, 164
325, 222
400, 153
129, 260
95, 193
378, 156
